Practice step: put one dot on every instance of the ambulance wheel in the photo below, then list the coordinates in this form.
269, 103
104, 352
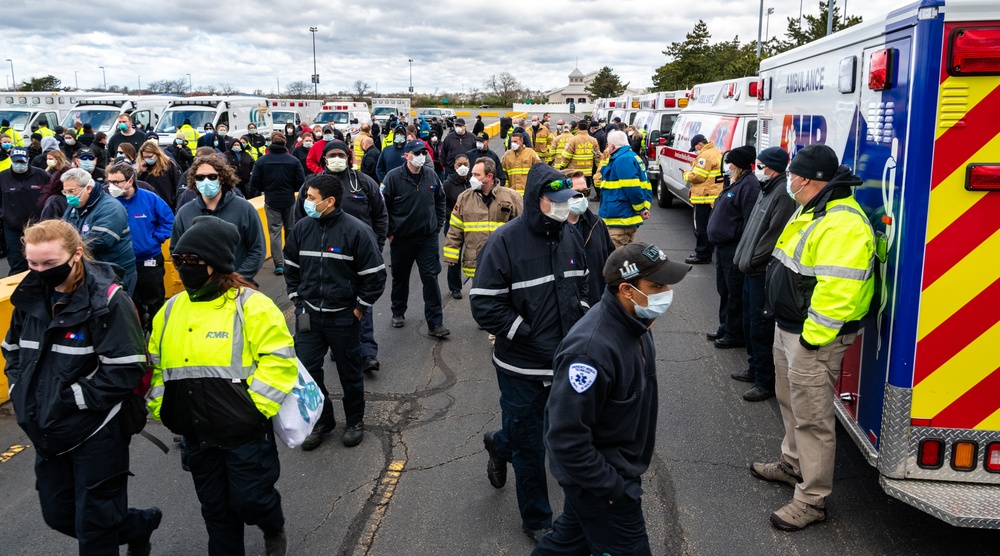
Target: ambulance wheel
664, 199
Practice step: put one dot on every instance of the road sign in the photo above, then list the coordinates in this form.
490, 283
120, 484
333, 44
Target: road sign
315, 78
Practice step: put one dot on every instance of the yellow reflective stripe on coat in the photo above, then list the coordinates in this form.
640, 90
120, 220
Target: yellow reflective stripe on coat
456, 222
623, 222
703, 200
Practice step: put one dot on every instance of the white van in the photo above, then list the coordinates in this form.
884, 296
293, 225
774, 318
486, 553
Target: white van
24, 110
102, 112
345, 116
237, 112
725, 112
296, 111
656, 115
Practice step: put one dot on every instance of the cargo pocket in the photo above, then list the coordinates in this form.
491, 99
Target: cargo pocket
809, 393
107, 502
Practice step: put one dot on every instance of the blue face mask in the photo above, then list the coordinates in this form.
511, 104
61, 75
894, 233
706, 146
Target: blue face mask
6, 146
792, 194
311, 210
656, 304
19, 167
73, 201
123, 127
209, 188
88, 165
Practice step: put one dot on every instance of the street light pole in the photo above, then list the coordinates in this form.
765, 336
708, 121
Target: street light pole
411, 75
13, 79
190, 84
278, 81
760, 26
767, 27
105, 74
138, 80
76, 77
829, 16
315, 77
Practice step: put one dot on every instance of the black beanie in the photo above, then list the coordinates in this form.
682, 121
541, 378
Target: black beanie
815, 162
213, 240
775, 158
742, 157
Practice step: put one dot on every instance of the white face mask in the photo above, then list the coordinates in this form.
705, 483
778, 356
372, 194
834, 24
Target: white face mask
479, 145
307, 144
515, 146
761, 175
336, 165
578, 205
115, 191
558, 211
462, 171
656, 304
419, 160
792, 194
475, 184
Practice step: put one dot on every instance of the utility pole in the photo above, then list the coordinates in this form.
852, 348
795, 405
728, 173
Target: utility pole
76, 77
411, 76
190, 84
829, 17
760, 26
767, 27
105, 74
138, 79
315, 76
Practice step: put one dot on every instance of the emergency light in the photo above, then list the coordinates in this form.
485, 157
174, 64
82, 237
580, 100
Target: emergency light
669, 103
635, 104
881, 67
931, 453
992, 461
982, 177
682, 103
755, 88
974, 51
963, 456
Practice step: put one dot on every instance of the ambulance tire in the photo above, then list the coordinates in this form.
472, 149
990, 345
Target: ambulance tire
664, 198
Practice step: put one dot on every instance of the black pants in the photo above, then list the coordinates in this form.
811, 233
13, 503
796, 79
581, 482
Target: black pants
149, 291
729, 283
592, 525
339, 333
84, 494
15, 250
703, 248
424, 251
758, 330
236, 486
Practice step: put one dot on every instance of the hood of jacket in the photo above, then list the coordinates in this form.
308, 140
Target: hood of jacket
838, 188
539, 175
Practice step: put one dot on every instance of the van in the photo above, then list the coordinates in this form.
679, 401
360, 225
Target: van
295, 111
655, 117
724, 112
24, 110
102, 112
346, 116
237, 112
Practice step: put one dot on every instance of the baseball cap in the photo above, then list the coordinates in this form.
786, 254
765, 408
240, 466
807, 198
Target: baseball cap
484, 136
559, 191
19, 154
413, 146
698, 139
642, 260
460, 121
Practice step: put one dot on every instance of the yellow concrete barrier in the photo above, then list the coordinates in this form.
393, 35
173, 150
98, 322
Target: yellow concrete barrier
465, 114
7, 286
487, 114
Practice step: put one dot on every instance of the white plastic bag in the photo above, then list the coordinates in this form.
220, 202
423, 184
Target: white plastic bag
300, 410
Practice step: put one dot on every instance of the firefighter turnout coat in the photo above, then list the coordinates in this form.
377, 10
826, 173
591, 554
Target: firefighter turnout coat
704, 175
472, 222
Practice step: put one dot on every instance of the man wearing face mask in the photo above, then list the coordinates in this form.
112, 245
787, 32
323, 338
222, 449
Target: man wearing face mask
86, 158
241, 162
483, 150
207, 137
101, 221
20, 188
564, 133
455, 143
627, 194
335, 293
517, 162
819, 284
279, 175
541, 139
369, 161
69, 145
596, 241
415, 202
357, 140
6, 144
530, 288
126, 133
770, 214
600, 420
256, 142
150, 221
391, 157
315, 159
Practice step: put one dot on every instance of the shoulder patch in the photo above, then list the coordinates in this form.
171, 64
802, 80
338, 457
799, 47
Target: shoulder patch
701, 162
582, 377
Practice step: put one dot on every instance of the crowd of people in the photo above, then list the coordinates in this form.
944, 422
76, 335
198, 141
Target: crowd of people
567, 298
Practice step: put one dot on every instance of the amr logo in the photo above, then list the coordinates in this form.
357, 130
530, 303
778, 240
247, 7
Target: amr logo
801, 131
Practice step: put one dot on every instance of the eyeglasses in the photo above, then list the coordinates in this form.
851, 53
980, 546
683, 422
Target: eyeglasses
117, 182
203, 177
559, 185
419, 153
74, 193
187, 259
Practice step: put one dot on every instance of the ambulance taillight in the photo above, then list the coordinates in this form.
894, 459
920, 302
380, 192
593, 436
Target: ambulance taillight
669, 103
881, 69
755, 88
963, 456
682, 103
931, 453
982, 177
993, 457
974, 51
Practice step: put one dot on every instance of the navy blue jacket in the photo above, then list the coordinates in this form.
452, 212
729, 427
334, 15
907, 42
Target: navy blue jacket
150, 220
598, 246
103, 223
415, 202
279, 175
732, 211
19, 195
600, 419
530, 285
389, 159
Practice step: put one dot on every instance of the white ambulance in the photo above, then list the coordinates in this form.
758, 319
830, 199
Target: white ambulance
102, 112
346, 116
292, 110
237, 112
911, 101
24, 110
655, 118
725, 112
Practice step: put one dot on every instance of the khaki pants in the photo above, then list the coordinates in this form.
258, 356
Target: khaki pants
622, 236
805, 387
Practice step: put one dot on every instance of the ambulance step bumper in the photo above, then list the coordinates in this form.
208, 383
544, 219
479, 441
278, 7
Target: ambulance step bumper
959, 504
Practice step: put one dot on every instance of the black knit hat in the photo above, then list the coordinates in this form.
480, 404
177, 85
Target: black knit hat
775, 158
815, 162
213, 240
742, 157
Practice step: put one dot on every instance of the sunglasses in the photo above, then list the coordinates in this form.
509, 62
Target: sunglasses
88, 158
419, 153
203, 177
186, 259
559, 185
760, 166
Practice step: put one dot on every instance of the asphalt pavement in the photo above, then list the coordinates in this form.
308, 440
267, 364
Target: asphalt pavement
417, 484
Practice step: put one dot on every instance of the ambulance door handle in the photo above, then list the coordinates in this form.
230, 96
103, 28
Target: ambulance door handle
847, 398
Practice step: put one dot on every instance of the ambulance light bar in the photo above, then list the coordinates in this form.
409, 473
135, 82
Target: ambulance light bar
669, 103
963, 456
974, 51
982, 177
931, 453
635, 104
881, 69
728, 90
992, 462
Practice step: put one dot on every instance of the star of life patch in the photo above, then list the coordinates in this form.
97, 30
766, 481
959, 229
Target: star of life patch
582, 377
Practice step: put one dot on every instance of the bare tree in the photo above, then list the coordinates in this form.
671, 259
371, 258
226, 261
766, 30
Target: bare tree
474, 95
228, 89
158, 86
504, 85
212, 90
297, 89
361, 89
258, 92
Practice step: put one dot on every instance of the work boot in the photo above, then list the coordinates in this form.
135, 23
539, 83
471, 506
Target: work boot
777, 471
742, 376
796, 515
536, 534
142, 547
315, 438
370, 364
398, 322
496, 467
758, 394
276, 544
354, 435
438, 331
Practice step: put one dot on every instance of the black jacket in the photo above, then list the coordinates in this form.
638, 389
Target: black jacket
334, 264
19, 195
770, 214
453, 187
67, 372
732, 210
600, 420
530, 285
362, 200
301, 153
369, 163
165, 185
243, 165
478, 127
415, 202
598, 246
602, 139
453, 145
181, 155
476, 154
279, 175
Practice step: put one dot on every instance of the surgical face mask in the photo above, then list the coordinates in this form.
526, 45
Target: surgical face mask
73, 201
123, 127
398, 141
236, 148
480, 145
462, 171
49, 163
558, 211
558, 128
728, 172
88, 165
578, 205
475, 184
761, 175
515, 146
792, 194
70, 141
252, 131
419, 160
311, 210
115, 191
178, 142
307, 144
535, 124
460, 130
223, 133
328, 137
149, 161
6, 146
336, 165
656, 304
215, 143
289, 130
19, 167
209, 188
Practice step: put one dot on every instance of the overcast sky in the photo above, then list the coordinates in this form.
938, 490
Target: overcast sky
454, 44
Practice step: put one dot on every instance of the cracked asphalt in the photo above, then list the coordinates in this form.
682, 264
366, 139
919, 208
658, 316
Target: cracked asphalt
417, 483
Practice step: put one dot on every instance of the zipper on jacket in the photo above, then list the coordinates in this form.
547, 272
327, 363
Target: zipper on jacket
322, 265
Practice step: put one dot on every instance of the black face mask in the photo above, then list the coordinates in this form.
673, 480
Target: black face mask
55, 276
193, 276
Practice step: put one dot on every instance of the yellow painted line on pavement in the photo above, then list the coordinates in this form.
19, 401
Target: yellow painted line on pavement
12, 451
387, 487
